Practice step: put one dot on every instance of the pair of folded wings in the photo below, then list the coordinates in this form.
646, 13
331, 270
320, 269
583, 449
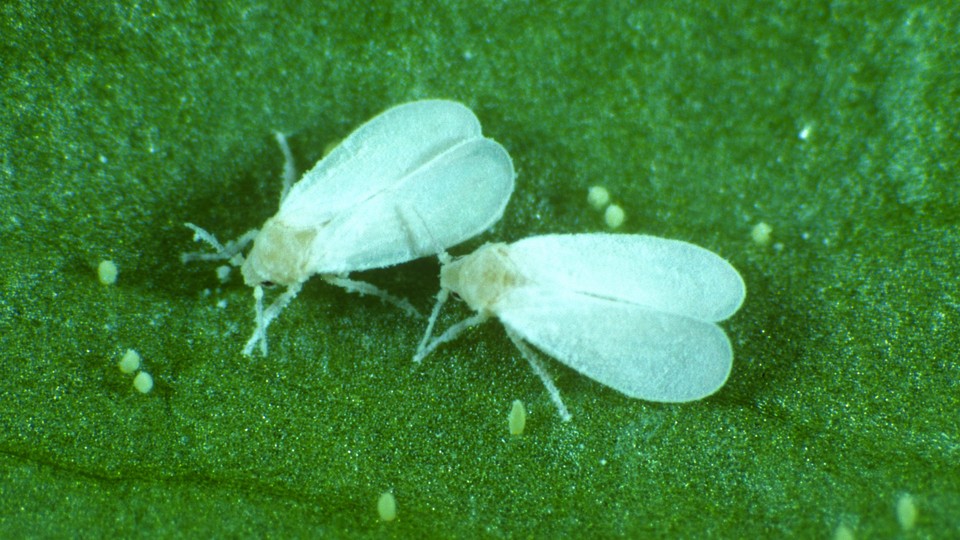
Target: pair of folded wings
411, 182
636, 313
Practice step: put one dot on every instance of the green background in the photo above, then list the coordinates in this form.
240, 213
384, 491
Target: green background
120, 122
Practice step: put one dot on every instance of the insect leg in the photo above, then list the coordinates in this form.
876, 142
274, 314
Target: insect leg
541, 372
265, 316
230, 252
362, 287
289, 167
450, 335
441, 298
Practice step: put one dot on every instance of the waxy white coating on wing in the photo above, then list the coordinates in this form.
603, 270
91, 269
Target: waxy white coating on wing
377, 154
666, 275
637, 350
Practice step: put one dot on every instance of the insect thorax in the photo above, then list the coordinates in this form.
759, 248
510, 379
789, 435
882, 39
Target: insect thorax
482, 277
280, 255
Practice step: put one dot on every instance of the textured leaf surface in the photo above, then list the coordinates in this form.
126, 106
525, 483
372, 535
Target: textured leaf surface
836, 125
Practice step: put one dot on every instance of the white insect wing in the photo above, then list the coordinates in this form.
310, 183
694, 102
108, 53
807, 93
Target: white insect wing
633, 312
639, 351
456, 195
375, 157
665, 275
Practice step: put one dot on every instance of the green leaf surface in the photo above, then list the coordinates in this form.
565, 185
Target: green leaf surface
834, 123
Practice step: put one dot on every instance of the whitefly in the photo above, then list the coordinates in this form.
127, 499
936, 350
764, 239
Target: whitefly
413, 181
635, 313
